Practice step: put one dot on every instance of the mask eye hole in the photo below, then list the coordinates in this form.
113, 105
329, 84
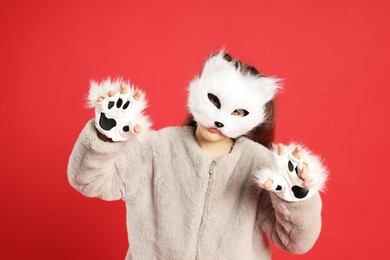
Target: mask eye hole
240, 112
214, 100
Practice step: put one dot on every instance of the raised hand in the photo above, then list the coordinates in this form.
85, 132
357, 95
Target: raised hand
293, 179
118, 110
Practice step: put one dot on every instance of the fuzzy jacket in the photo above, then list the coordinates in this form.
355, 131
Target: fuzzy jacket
183, 205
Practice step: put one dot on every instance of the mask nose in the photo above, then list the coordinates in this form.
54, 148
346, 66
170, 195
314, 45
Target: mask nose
218, 124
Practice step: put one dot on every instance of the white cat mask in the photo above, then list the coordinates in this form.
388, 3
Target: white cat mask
222, 79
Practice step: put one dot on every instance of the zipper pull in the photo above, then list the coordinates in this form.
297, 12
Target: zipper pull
212, 167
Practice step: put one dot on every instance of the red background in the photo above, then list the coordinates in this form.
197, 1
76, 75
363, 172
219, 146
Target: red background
333, 56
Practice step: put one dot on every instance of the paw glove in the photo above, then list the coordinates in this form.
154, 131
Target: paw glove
286, 182
116, 116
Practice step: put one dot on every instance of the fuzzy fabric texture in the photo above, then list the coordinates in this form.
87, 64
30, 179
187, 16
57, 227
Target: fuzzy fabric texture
182, 205
234, 90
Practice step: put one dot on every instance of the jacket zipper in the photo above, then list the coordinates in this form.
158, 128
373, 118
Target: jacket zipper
206, 200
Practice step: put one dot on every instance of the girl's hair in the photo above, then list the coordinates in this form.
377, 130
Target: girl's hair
265, 132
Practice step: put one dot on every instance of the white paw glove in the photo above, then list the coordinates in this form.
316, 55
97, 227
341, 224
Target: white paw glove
298, 175
118, 109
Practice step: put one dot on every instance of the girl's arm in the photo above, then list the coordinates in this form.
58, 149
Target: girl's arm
100, 167
290, 205
292, 226
108, 170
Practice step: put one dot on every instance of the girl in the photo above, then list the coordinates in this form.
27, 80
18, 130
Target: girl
211, 189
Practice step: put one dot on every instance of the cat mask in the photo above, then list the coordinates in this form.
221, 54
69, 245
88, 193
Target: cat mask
222, 89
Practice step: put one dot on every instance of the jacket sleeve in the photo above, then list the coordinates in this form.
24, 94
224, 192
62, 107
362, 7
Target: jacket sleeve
292, 226
108, 170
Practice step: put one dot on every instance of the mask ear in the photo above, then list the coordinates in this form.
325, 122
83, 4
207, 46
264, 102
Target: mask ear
224, 55
217, 62
269, 87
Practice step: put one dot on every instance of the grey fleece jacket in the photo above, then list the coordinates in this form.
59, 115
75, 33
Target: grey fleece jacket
183, 205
